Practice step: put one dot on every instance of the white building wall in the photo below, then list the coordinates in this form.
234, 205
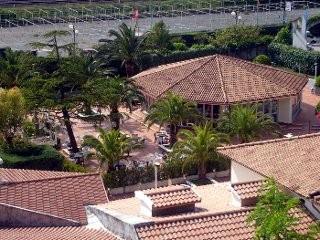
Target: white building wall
285, 110
241, 174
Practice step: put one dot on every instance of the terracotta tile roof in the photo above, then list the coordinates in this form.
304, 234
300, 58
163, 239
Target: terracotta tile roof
64, 197
247, 190
20, 175
225, 225
214, 198
220, 79
294, 162
171, 196
54, 233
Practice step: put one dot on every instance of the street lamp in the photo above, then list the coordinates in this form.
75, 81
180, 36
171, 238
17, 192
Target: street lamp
74, 31
235, 15
156, 166
315, 70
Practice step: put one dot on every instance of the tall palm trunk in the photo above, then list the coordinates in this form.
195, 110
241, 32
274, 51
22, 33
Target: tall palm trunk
66, 118
115, 118
67, 122
129, 68
173, 134
201, 170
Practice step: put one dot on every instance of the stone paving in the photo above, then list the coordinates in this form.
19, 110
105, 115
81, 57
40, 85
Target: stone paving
134, 125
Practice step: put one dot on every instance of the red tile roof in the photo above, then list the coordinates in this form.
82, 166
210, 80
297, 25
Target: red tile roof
64, 197
171, 196
54, 233
220, 79
20, 175
247, 190
294, 162
226, 225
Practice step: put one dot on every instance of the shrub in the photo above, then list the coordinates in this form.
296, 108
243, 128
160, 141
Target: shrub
317, 109
237, 36
189, 54
178, 46
317, 82
29, 128
174, 168
291, 57
40, 157
284, 36
198, 46
73, 167
263, 59
265, 39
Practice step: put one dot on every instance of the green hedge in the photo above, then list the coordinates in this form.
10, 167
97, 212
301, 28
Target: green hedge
171, 169
189, 54
290, 57
73, 167
45, 157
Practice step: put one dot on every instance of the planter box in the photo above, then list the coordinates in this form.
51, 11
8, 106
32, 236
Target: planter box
115, 191
162, 183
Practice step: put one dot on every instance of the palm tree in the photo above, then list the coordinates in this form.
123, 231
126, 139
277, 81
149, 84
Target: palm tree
112, 93
172, 110
199, 145
126, 46
246, 123
159, 37
110, 150
14, 67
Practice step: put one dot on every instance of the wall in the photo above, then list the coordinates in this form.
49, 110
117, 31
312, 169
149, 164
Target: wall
241, 174
285, 110
299, 34
119, 224
20, 217
143, 186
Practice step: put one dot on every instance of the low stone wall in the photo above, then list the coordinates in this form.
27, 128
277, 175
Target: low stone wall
163, 183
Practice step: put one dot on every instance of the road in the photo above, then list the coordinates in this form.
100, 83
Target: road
90, 32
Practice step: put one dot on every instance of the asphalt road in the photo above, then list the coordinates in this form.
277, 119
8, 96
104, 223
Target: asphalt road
90, 32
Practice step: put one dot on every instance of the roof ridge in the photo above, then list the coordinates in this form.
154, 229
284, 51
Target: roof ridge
268, 141
158, 68
164, 190
241, 183
177, 82
50, 178
223, 88
195, 216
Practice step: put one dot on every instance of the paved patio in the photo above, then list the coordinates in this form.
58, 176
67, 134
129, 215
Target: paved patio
303, 124
306, 122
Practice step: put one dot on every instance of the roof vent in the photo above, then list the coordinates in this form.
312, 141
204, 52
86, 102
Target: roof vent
167, 200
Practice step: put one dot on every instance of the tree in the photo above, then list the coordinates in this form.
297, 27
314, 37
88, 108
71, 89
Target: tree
12, 113
55, 84
171, 110
284, 36
126, 46
237, 36
112, 93
274, 218
15, 66
159, 37
246, 123
111, 149
199, 146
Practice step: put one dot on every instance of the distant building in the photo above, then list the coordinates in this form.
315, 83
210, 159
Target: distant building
217, 82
